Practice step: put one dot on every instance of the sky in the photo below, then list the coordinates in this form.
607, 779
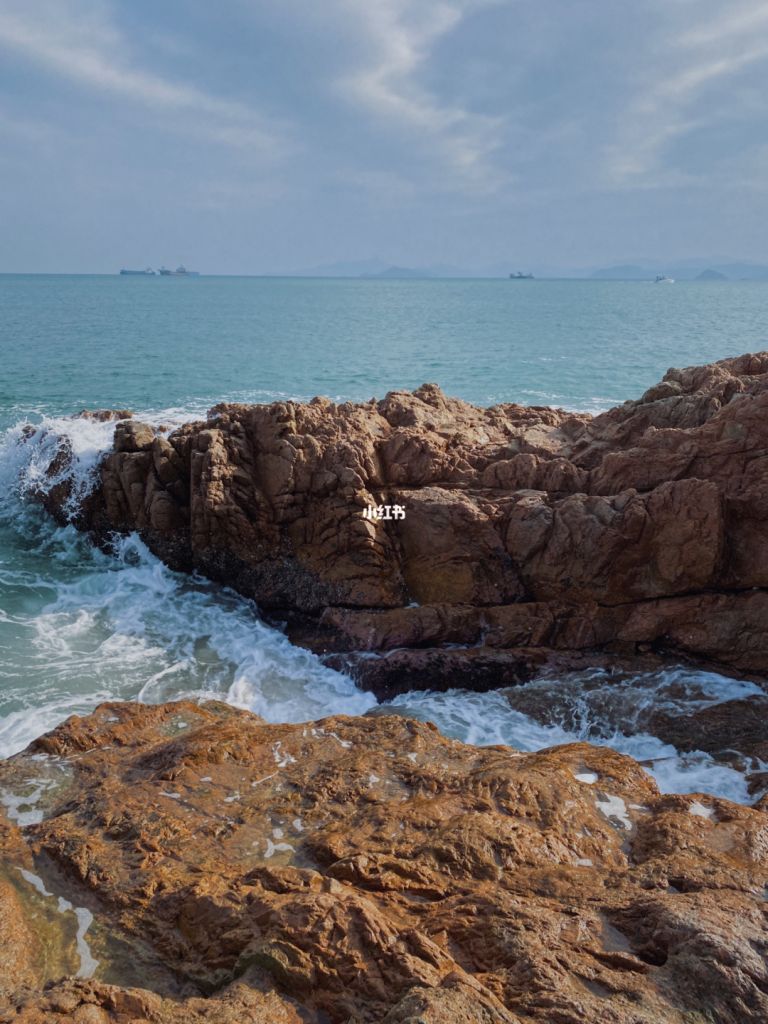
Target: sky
262, 137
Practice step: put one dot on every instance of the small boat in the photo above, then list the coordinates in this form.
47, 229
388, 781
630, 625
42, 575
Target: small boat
147, 272
663, 279
180, 271
520, 276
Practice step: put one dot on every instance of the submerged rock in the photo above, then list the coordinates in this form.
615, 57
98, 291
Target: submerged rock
642, 529
370, 870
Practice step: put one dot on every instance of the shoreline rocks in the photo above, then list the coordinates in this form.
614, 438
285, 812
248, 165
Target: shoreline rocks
642, 530
367, 870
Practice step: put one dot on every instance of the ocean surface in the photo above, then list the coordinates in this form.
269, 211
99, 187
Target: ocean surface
78, 626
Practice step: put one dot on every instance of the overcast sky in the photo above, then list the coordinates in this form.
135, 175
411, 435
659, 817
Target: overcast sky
255, 136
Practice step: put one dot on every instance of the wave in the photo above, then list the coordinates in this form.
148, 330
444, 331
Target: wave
80, 626
595, 706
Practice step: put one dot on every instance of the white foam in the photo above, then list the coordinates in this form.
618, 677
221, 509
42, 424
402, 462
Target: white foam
35, 457
486, 719
698, 810
613, 807
126, 627
93, 627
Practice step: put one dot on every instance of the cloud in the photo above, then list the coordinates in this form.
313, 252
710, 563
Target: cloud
675, 96
737, 22
387, 84
78, 41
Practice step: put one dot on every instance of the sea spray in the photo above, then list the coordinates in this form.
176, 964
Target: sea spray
37, 456
80, 626
489, 718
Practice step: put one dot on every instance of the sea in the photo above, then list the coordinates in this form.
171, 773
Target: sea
79, 626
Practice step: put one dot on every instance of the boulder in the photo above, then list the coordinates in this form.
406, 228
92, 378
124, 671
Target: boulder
644, 528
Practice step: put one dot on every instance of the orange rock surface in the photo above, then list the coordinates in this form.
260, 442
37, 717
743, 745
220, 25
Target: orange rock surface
367, 870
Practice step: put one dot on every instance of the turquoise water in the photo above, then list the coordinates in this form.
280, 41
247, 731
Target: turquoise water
159, 342
78, 626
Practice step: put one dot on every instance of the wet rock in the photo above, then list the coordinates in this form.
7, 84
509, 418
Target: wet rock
105, 415
370, 870
396, 672
735, 727
644, 528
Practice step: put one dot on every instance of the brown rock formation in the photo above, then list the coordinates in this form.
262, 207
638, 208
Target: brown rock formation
369, 870
645, 528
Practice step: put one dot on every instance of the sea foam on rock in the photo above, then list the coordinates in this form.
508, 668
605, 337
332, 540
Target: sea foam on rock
529, 532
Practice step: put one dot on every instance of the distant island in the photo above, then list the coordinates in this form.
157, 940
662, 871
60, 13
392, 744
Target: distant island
691, 270
711, 275
706, 268
399, 274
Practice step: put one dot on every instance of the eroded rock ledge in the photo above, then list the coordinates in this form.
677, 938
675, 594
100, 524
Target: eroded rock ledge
367, 871
528, 531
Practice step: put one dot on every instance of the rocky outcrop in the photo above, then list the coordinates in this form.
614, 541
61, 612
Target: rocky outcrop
526, 530
366, 870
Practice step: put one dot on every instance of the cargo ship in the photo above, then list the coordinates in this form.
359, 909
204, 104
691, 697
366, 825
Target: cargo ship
147, 272
178, 272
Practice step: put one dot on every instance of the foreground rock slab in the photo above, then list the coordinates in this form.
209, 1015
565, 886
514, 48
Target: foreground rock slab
526, 531
218, 868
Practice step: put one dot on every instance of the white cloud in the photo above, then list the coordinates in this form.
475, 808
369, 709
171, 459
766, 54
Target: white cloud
76, 39
667, 105
400, 37
739, 21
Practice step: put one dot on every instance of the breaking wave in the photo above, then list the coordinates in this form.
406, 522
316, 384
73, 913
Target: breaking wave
79, 626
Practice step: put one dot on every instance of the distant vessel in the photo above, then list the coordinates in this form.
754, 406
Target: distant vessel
180, 271
520, 276
148, 272
663, 279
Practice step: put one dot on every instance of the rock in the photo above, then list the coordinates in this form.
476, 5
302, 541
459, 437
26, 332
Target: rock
70, 1001
643, 528
21, 949
396, 672
629, 547
104, 415
734, 728
370, 870
132, 436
